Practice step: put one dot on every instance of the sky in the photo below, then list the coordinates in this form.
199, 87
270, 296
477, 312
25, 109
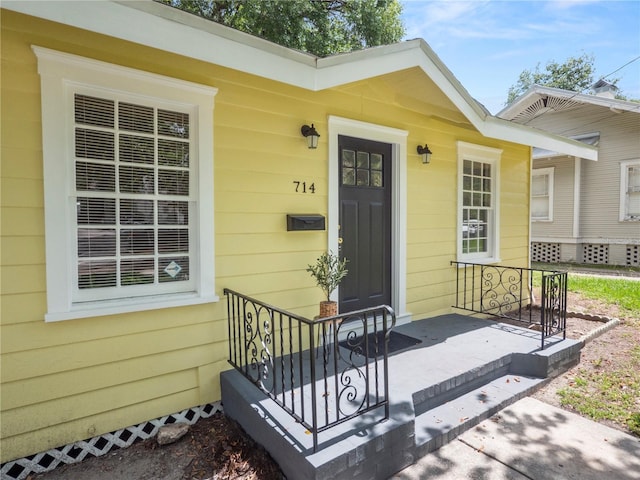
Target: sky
488, 43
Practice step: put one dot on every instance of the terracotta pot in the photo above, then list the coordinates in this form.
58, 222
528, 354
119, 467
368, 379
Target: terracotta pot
328, 309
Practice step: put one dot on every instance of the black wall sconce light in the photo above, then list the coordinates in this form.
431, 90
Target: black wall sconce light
425, 152
311, 135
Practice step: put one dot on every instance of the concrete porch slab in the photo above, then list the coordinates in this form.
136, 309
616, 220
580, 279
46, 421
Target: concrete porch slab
463, 364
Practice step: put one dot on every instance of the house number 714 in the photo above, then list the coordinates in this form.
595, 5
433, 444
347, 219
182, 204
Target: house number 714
302, 187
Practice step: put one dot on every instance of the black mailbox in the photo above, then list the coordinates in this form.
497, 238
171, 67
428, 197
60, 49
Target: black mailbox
305, 222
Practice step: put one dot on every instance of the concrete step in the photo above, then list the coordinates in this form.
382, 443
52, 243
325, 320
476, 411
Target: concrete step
433, 396
438, 426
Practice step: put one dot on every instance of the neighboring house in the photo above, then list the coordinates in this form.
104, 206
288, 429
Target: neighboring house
150, 159
584, 211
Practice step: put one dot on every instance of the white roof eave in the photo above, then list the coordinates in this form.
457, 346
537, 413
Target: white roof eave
191, 36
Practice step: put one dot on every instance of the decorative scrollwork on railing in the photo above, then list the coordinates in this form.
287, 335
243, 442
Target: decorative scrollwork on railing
279, 352
352, 391
553, 304
508, 292
258, 323
500, 290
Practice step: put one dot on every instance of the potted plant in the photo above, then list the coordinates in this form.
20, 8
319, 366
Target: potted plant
328, 272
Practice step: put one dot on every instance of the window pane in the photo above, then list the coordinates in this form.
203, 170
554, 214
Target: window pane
137, 271
173, 213
173, 124
376, 161
173, 241
96, 274
96, 242
376, 179
348, 176
466, 182
136, 212
173, 153
136, 149
137, 242
362, 178
173, 269
94, 111
486, 200
95, 177
96, 210
94, 144
633, 208
136, 118
173, 182
363, 160
634, 179
467, 167
540, 185
540, 207
348, 158
136, 179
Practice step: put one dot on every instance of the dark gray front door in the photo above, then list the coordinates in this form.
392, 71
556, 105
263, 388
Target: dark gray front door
365, 222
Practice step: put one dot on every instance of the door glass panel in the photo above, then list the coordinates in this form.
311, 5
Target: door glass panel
376, 179
348, 176
363, 177
363, 160
376, 161
348, 158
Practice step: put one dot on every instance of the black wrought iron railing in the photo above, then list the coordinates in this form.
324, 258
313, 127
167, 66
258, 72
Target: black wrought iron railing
322, 372
510, 292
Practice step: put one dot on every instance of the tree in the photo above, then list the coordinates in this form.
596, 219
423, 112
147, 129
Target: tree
575, 74
319, 27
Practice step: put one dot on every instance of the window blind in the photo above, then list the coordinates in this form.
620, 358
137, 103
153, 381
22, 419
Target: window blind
132, 180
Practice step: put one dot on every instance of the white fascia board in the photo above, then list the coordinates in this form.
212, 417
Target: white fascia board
503, 129
179, 32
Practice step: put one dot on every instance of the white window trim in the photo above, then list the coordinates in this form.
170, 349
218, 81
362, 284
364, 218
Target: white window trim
58, 73
481, 153
550, 172
624, 181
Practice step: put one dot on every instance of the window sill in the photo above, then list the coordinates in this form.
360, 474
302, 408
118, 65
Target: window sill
480, 260
115, 307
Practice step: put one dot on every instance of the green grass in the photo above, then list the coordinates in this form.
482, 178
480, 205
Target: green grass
596, 392
618, 291
611, 395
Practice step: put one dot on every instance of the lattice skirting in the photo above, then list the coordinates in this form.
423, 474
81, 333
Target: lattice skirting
545, 252
595, 253
21, 468
633, 255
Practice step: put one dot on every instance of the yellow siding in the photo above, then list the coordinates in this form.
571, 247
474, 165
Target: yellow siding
71, 380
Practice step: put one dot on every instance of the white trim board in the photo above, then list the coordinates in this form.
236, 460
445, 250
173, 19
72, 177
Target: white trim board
194, 37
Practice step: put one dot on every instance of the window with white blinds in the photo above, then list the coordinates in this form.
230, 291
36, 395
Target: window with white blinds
630, 191
542, 194
132, 182
128, 176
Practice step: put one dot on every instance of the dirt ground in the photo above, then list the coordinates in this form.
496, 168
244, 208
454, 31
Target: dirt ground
217, 448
